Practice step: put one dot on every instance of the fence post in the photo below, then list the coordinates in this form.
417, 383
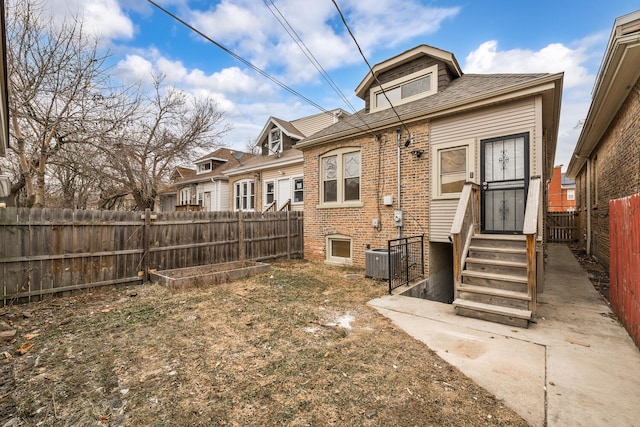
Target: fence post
242, 252
145, 245
288, 234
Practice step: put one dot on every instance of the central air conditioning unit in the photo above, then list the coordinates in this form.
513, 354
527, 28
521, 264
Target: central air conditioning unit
376, 263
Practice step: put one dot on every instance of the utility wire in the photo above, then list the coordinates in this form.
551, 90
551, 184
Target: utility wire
344, 21
314, 61
247, 63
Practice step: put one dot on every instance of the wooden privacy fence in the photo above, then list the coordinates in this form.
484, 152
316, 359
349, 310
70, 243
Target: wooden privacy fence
624, 262
46, 251
561, 227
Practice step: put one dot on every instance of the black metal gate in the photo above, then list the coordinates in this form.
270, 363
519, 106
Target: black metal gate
406, 260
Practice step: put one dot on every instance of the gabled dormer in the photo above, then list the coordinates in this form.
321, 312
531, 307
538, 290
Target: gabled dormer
414, 74
277, 136
208, 163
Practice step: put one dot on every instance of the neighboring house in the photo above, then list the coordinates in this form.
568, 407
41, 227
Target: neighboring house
561, 192
206, 187
606, 159
168, 193
606, 167
274, 179
387, 172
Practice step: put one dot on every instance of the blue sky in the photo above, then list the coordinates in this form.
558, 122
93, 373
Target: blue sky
489, 36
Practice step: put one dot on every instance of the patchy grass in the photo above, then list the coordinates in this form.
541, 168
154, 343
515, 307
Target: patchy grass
297, 346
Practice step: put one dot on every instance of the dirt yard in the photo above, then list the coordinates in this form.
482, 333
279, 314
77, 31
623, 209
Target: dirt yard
297, 347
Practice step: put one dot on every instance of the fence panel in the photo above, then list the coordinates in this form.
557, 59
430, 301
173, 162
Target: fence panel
561, 227
47, 251
624, 262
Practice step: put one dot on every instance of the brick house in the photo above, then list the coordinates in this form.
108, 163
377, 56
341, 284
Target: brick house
606, 167
387, 172
561, 192
274, 179
606, 159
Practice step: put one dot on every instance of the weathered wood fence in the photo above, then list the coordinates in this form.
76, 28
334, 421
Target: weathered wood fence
46, 251
562, 227
624, 262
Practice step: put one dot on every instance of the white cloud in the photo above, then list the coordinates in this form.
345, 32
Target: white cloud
550, 59
102, 18
249, 28
134, 69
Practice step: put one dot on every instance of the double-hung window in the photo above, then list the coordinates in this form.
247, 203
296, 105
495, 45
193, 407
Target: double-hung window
340, 177
185, 196
244, 195
270, 191
298, 190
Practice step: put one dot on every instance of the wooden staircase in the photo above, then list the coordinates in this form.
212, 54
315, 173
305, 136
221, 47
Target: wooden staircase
495, 276
494, 280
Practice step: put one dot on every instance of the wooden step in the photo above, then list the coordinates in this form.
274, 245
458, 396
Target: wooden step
493, 313
497, 266
499, 241
516, 283
506, 254
496, 292
494, 296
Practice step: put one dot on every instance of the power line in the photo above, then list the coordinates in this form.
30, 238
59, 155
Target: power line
344, 21
310, 56
249, 64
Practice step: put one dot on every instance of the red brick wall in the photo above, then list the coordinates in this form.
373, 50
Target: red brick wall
616, 173
378, 179
558, 201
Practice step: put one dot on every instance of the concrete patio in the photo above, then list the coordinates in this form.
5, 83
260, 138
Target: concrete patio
576, 367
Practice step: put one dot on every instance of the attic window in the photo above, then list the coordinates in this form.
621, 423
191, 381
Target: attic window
275, 141
204, 167
405, 89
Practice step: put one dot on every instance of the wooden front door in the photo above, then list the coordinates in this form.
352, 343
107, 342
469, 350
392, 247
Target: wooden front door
505, 179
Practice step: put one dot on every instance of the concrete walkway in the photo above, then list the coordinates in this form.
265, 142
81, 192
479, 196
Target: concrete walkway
576, 367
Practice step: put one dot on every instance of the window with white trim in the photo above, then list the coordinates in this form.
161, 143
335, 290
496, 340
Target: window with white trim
453, 166
340, 176
406, 89
269, 192
204, 167
275, 141
244, 196
200, 198
338, 249
571, 194
185, 196
298, 190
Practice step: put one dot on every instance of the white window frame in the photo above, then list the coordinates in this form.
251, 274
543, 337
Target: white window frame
244, 201
470, 146
275, 145
340, 201
185, 196
330, 258
571, 194
265, 191
204, 167
293, 189
390, 86
200, 197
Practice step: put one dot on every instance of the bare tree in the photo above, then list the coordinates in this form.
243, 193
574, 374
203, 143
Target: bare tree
57, 84
171, 129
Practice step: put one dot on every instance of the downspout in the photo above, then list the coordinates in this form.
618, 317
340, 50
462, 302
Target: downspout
588, 237
398, 133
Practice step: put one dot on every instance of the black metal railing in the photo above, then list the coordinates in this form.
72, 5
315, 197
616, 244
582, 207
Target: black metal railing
406, 260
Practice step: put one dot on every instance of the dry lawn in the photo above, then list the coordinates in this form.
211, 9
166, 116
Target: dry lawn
297, 347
